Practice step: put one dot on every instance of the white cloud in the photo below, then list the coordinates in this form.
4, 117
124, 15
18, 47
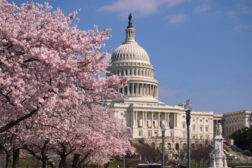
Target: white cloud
138, 7
203, 8
245, 9
232, 14
176, 19
242, 27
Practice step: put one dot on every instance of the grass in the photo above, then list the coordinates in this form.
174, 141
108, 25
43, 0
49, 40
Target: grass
239, 164
196, 165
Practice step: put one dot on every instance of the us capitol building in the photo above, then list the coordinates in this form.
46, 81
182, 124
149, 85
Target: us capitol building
141, 109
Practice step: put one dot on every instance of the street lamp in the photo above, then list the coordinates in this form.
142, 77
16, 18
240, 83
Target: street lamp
188, 109
163, 141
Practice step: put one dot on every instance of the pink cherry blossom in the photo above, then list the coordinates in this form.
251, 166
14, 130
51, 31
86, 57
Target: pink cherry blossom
51, 88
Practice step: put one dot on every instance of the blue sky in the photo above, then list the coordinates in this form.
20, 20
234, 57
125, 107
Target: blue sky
200, 49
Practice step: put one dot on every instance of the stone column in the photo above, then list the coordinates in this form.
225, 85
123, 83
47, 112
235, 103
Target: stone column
175, 118
165, 119
152, 93
133, 119
168, 122
146, 119
140, 89
129, 89
144, 89
143, 118
151, 119
133, 89
136, 119
158, 119
137, 89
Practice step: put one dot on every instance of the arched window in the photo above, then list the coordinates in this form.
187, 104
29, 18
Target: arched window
184, 146
169, 146
177, 146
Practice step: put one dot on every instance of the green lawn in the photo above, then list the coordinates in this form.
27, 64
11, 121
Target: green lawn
194, 165
239, 164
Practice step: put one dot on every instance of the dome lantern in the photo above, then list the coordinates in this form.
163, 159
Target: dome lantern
130, 32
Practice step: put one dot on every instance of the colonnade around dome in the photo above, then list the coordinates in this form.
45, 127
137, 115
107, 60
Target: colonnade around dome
139, 89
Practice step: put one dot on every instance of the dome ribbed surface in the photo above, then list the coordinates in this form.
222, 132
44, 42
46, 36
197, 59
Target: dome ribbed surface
130, 51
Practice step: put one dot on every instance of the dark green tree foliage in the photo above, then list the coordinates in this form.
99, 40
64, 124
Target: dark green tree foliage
243, 138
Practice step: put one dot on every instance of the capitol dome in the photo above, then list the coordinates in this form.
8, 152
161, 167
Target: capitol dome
132, 61
130, 52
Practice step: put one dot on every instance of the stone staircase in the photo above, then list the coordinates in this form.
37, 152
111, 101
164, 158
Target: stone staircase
235, 154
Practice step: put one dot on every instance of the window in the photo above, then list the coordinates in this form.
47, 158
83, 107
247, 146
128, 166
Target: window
206, 128
155, 123
156, 133
140, 123
169, 146
149, 123
193, 127
149, 133
140, 133
201, 129
183, 124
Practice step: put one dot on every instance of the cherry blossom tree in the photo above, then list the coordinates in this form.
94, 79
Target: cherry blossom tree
51, 90
42, 54
94, 136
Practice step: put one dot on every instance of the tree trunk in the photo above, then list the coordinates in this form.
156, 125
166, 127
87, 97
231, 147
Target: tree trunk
107, 165
75, 160
63, 155
44, 163
62, 163
7, 160
83, 159
15, 158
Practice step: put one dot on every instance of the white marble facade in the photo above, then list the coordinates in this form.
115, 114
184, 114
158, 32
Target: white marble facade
236, 120
141, 110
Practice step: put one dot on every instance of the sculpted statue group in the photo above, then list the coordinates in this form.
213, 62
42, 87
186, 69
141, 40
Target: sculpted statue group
217, 156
